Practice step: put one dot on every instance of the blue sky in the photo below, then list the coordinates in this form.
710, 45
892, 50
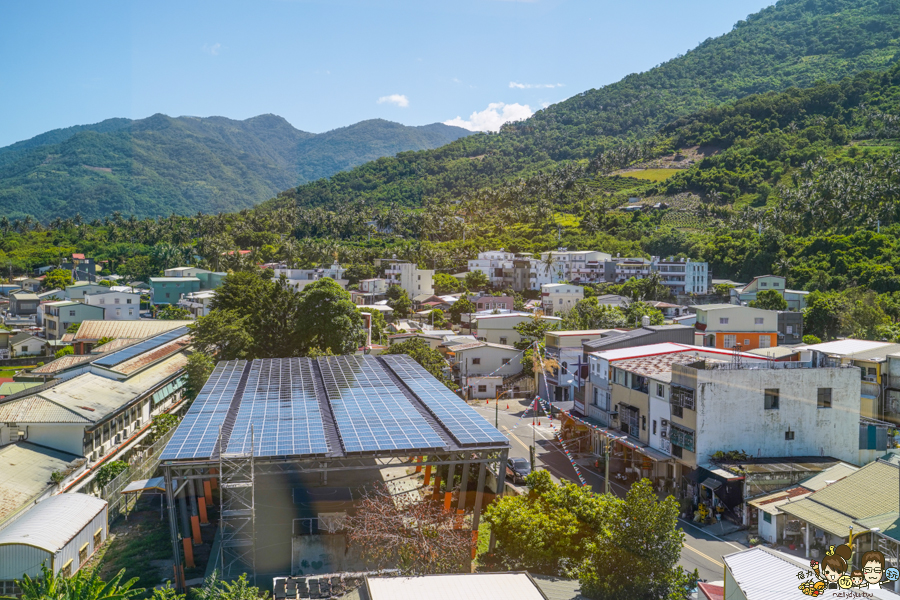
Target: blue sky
326, 64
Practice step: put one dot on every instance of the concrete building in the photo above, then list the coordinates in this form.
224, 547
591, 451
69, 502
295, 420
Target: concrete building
567, 348
198, 303
77, 290
410, 277
59, 316
501, 329
119, 306
683, 276
486, 302
727, 326
742, 295
507, 270
62, 532
373, 290
790, 328
560, 297
300, 278
209, 280
580, 266
169, 290
23, 304
480, 359
24, 344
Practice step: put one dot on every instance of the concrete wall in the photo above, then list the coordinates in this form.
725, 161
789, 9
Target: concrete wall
730, 413
68, 437
491, 362
660, 409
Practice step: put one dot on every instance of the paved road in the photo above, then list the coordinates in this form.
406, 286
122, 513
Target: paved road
703, 549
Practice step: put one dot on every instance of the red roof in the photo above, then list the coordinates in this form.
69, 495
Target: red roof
78, 256
712, 592
242, 252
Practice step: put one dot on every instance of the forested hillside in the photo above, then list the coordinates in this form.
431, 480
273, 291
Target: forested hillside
794, 43
163, 165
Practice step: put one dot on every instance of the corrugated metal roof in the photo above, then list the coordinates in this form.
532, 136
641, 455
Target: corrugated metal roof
776, 352
844, 347
557, 588
34, 409
114, 345
639, 351
54, 522
761, 575
771, 502
25, 472
833, 474
142, 328
469, 586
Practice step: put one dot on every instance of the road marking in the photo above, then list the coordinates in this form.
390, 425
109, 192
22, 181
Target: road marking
712, 560
713, 535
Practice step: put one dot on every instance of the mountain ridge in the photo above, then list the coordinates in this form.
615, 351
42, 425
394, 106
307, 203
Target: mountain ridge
161, 165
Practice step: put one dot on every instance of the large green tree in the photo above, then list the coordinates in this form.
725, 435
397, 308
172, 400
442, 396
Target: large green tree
328, 320
461, 307
769, 300
399, 300
58, 279
445, 284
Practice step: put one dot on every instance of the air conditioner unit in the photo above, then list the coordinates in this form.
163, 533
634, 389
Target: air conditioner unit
118, 439
665, 422
663, 434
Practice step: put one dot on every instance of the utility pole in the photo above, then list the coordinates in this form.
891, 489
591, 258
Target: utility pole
606, 467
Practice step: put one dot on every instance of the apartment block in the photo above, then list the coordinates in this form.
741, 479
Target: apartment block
728, 326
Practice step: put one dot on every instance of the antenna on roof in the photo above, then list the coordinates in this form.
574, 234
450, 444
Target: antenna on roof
736, 356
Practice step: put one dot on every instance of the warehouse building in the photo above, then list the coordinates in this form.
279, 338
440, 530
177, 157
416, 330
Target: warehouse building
61, 532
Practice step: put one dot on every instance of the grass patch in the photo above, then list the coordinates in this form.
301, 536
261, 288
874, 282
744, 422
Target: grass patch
13, 370
653, 174
135, 545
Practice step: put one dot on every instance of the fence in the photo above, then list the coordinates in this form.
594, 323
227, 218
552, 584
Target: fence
143, 468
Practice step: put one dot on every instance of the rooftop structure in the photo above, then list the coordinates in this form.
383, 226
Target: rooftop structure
268, 417
25, 470
471, 586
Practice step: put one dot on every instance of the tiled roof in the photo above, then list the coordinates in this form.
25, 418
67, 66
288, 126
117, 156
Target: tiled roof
141, 328
34, 409
654, 366
770, 503
61, 364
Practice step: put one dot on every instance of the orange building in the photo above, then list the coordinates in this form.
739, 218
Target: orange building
725, 326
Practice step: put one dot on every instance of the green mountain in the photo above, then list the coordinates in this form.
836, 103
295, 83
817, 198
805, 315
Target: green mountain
163, 165
791, 44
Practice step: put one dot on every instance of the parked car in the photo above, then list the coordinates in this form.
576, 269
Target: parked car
517, 469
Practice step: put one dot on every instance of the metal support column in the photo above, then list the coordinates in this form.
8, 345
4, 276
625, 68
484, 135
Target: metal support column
237, 519
501, 488
173, 528
448, 493
463, 488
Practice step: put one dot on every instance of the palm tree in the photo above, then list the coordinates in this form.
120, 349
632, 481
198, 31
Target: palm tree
83, 585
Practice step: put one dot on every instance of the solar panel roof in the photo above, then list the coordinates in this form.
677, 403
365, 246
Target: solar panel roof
371, 412
114, 358
465, 425
198, 432
280, 403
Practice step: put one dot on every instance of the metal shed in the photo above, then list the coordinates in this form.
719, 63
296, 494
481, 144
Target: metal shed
62, 531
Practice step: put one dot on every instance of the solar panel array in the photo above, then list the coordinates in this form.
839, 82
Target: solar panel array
121, 356
198, 432
280, 402
462, 421
371, 412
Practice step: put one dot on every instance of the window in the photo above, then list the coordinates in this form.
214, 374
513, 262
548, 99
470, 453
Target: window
118, 312
596, 397
682, 397
660, 391
730, 341
788, 435
767, 517
66, 570
167, 294
654, 426
823, 398
503, 341
723, 320
24, 348
746, 342
71, 313
763, 284
102, 301
118, 301
98, 538
83, 553
776, 284
788, 329
758, 320
127, 300
643, 423
130, 312
678, 411
682, 436
771, 399
676, 451
765, 341
505, 361
476, 361
482, 388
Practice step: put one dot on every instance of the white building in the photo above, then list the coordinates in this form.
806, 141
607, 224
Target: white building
198, 303
501, 329
300, 278
560, 297
683, 276
480, 359
410, 277
582, 266
61, 532
119, 306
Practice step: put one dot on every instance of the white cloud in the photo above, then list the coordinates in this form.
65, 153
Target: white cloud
491, 118
398, 99
529, 86
212, 49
